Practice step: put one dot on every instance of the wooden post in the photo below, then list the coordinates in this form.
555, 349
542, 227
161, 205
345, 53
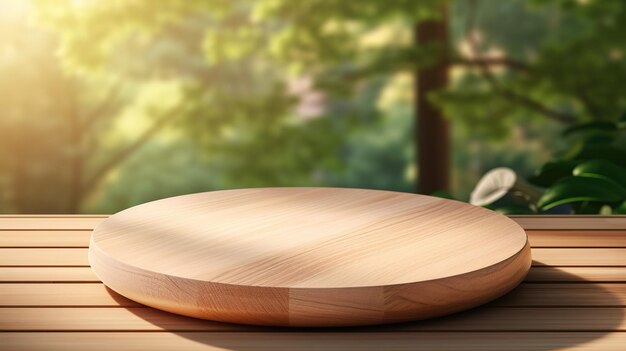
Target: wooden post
432, 129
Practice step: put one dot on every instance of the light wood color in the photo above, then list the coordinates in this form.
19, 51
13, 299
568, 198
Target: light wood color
579, 257
43, 257
48, 274
570, 295
88, 222
577, 274
86, 274
577, 238
568, 222
537, 238
39, 222
149, 319
526, 295
326, 341
57, 310
309, 256
50, 294
44, 238
77, 257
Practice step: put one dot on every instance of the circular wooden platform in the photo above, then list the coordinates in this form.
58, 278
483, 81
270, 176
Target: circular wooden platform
309, 256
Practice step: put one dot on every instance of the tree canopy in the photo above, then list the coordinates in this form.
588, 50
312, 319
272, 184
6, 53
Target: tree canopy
315, 92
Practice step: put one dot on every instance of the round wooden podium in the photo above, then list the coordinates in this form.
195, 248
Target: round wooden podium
309, 256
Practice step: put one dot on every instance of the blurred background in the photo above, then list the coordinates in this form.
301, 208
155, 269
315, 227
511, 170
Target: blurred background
105, 104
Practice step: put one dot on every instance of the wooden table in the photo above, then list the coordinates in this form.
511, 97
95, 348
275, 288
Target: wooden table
573, 299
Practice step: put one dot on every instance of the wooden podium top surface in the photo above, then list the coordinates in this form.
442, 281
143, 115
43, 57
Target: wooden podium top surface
309, 237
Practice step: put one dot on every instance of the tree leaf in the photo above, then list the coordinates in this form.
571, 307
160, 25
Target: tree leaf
602, 169
577, 189
621, 209
601, 151
588, 207
621, 124
591, 126
552, 172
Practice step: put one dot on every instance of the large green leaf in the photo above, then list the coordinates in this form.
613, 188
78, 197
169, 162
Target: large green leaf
591, 127
621, 124
553, 171
620, 209
600, 139
602, 169
578, 189
600, 151
587, 207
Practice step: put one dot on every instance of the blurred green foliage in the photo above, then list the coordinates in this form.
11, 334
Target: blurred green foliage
591, 177
588, 178
106, 104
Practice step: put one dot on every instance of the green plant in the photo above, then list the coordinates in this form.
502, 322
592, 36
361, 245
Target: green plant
589, 178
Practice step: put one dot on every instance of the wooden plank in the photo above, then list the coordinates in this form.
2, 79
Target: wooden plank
525, 319
550, 238
541, 257
103, 319
579, 257
526, 295
49, 222
149, 319
577, 238
70, 294
576, 274
565, 295
88, 222
536, 274
48, 274
553, 238
571, 222
45, 238
305, 341
43, 257
512, 311
52, 216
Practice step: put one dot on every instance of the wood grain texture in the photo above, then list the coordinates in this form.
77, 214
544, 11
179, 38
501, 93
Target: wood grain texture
577, 274
525, 295
536, 274
537, 238
554, 257
43, 257
49, 222
579, 257
577, 238
89, 222
565, 295
150, 319
48, 274
45, 238
309, 256
329, 341
581, 314
569, 222
50, 294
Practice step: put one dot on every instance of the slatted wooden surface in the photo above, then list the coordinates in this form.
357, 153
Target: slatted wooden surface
574, 298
